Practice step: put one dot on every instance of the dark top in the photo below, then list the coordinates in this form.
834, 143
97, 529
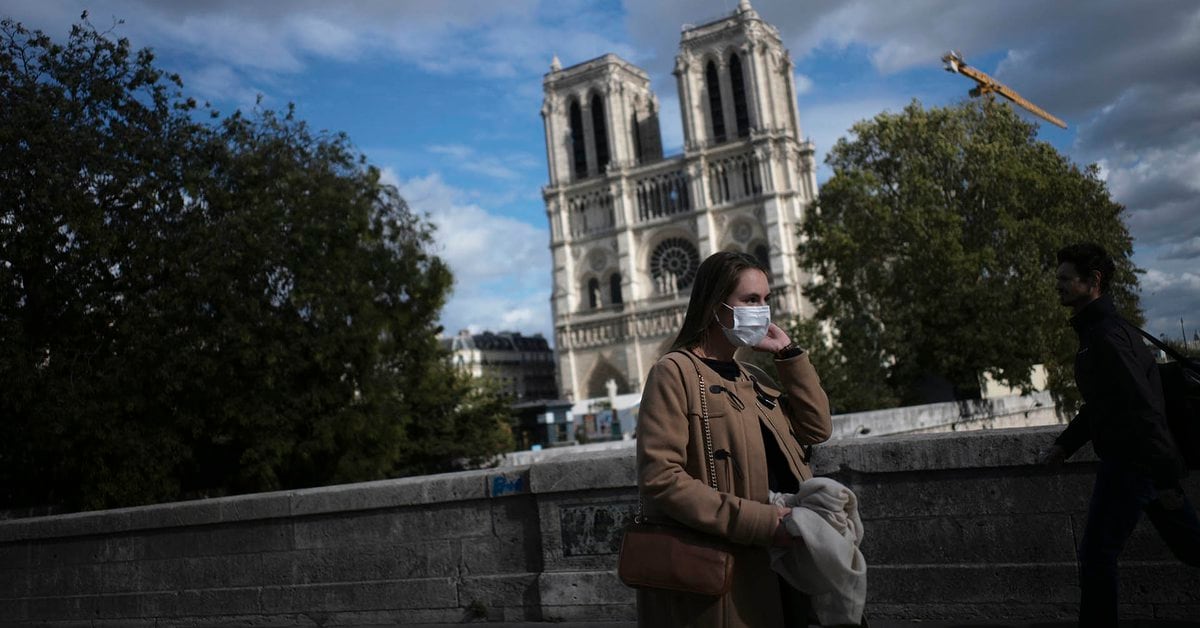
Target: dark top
779, 474
1122, 411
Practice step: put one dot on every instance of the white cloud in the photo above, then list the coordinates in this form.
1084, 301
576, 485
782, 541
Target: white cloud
219, 82
1159, 187
1188, 249
803, 84
826, 122
1170, 297
510, 167
472, 37
501, 266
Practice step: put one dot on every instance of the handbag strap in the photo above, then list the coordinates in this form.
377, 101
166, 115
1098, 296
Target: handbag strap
708, 448
706, 429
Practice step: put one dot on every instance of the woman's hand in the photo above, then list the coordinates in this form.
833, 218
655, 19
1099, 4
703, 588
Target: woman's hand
781, 537
775, 340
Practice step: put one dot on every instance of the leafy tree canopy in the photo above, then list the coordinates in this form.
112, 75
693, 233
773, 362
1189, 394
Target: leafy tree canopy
933, 243
193, 304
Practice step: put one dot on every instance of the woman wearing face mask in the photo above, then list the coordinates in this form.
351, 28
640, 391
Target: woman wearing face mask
758, 430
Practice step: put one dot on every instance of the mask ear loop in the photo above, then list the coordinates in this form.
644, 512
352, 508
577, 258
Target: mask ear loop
718, 318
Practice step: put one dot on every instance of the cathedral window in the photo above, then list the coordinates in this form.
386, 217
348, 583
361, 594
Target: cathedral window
713, 84
578, 148
637, 139
601, 131
593, 293
673, 265
763, 255
614, 288
740, 110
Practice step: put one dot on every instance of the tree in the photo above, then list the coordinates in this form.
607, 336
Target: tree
196, 305
933, 244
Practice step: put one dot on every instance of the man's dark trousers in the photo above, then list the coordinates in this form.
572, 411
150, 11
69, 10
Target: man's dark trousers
1117, 503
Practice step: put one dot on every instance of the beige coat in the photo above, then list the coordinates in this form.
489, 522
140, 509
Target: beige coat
672, 475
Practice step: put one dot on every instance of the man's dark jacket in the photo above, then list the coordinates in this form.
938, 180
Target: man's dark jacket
1122, 411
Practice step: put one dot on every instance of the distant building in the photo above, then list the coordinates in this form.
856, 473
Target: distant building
523, 366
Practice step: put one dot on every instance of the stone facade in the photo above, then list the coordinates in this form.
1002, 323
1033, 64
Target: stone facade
628, 227
523, 366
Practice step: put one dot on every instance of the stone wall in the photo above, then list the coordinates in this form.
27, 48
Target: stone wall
950, 416
960, 526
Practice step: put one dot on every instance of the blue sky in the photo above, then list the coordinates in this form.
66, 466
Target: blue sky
444, 97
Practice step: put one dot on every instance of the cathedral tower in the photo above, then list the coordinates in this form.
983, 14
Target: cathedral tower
628, 228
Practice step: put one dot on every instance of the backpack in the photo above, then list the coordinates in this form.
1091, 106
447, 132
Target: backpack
1181, 400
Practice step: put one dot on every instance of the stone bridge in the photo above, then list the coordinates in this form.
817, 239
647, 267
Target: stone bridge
960, 527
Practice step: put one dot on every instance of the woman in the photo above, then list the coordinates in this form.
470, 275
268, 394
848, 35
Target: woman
758, 432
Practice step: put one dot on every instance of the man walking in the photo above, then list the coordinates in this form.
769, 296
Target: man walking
1122, 414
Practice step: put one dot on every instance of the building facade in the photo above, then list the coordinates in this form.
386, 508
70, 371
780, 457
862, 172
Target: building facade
628, 227
522, 366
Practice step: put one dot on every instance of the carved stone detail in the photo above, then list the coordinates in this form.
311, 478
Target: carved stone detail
598, 260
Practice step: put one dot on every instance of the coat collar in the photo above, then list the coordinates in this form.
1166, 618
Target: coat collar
1093, 313
699, 362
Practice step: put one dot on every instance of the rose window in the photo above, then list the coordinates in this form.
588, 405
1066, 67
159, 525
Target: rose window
673, 265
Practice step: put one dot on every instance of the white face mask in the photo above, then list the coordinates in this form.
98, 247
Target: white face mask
750, 324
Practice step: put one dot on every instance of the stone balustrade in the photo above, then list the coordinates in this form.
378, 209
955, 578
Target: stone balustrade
960, 527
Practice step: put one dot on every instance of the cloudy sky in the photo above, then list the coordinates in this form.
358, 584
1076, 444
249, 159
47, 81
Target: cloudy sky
444, 96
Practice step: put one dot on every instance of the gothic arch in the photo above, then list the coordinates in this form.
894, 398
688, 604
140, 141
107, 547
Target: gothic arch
597, 380
600, 132
635, 127
737, 82
591, 293
761, 252
716, 110
578, 143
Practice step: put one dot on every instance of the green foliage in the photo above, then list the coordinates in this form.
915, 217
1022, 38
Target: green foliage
193, 306
934, 242
462, 422
851, 386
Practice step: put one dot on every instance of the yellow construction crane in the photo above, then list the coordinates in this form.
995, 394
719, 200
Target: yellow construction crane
988, 85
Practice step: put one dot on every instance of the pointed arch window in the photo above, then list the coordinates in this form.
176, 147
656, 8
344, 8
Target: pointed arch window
614, 288
593, 293
763, 255
740, 110
578, 148
712, 83
637, 139
601, 131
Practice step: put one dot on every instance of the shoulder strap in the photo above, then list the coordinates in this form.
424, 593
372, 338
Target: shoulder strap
1166, 348
706, 429
709, 462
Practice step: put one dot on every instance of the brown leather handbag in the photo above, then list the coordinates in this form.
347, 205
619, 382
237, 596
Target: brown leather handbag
672, 557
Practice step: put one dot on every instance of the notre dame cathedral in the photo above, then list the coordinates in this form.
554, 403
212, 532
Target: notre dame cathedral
628, 226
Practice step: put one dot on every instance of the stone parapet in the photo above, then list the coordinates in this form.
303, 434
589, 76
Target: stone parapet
960, 527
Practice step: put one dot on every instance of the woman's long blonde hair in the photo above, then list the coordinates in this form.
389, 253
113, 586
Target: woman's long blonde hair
715, 280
